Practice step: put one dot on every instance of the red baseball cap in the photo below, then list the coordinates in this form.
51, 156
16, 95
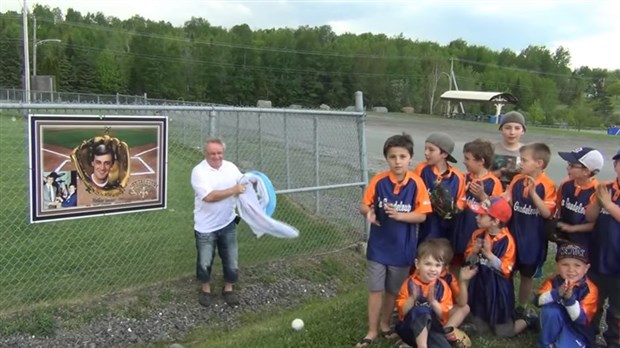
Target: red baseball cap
495, 206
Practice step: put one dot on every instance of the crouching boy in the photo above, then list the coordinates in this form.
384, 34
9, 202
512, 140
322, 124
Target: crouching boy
568, 301
425, 300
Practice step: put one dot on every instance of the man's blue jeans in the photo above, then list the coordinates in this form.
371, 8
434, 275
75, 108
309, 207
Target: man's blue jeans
225, 240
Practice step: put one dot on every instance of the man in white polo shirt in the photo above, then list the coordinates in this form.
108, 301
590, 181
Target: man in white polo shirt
216, 186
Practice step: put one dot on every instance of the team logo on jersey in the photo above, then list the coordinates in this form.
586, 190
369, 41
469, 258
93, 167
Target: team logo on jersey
525, 209
576, 207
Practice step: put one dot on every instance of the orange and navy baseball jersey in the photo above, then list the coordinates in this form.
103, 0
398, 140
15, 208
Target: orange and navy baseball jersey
502, 245
571, 203
466, 221
526, 224
453, 284
394, 243
585, 293
454, 181
442, 294
606, 237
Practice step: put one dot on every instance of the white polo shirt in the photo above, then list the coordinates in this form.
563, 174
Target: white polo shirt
213, 216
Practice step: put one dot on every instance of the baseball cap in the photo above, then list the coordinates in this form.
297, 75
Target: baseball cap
444, 142
572, 251
495, 206
589, 157
617, 156
513, 117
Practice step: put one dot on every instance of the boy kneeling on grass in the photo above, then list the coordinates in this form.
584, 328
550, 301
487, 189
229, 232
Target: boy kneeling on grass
425, 300
568, 301
492, 250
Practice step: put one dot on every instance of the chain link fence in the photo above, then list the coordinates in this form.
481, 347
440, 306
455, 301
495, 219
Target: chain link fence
315, 159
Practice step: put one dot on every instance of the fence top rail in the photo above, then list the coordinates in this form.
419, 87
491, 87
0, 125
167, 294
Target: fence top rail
75, 106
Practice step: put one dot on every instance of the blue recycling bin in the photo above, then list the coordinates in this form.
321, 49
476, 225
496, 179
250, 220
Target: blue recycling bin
493, 118
615, 130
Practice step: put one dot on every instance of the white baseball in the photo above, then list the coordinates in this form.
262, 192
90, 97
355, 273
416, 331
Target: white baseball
297, 324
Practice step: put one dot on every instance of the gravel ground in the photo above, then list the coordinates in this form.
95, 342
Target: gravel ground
166, 312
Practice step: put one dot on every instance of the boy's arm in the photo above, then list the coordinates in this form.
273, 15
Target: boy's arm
465, 275
582, 312
547, 294
404, 301
441, 306
606, 200
593, 209
421, 206
545, 205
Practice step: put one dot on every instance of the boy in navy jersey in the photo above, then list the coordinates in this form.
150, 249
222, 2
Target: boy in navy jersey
394, 203
568, 301
480, 184
492, 251
425, 300
533, 197
576, 192
605, 211
436, 170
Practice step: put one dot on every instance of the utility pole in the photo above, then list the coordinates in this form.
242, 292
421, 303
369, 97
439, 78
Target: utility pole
26, 60
456, 87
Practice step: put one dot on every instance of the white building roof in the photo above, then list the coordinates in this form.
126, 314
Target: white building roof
492, 97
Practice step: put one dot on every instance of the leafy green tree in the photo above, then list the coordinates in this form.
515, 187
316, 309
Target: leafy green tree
536, 113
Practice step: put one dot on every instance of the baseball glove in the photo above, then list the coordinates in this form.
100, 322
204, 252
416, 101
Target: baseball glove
442, 201
553, 233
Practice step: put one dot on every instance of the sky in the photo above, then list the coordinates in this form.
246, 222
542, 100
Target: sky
588, 29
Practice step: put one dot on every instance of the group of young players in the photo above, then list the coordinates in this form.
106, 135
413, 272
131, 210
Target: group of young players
444, 270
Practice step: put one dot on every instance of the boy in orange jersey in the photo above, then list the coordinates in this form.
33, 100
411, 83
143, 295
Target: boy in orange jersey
480, 184
458, 287
568, 301
394, 203
492, 250
532, 195
436, 170
425, 300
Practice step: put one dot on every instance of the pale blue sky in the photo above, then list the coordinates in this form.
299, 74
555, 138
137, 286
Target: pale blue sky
590, 30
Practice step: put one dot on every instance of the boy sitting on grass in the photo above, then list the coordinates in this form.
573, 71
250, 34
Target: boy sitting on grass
425, 300
568, 301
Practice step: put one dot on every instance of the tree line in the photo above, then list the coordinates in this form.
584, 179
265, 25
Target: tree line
307, 66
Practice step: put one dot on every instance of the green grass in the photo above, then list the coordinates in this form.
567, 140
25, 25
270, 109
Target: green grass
338, 322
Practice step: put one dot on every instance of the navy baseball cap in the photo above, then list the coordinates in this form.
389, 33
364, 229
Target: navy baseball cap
617, 156
587, 156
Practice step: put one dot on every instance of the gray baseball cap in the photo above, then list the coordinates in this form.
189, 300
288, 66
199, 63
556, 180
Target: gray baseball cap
444, 142
513, 117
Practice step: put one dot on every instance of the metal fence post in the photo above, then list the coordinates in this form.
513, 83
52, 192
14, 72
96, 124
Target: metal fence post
361, 133
316, 163
287, 154
212, 126
260, 142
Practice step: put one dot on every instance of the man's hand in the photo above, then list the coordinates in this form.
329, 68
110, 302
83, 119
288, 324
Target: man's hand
239, 189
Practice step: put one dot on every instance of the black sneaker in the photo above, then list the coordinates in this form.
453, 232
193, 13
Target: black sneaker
205, 298
231, 298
